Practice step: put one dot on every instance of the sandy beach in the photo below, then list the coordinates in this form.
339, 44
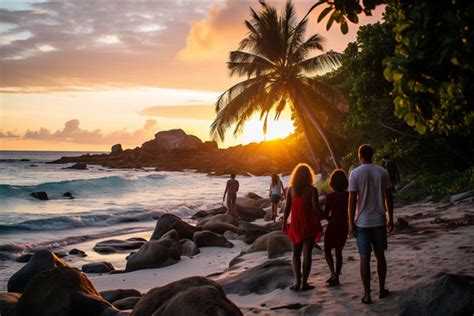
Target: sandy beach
438, 239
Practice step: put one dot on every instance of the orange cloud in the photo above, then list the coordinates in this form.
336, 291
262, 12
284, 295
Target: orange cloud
196, 112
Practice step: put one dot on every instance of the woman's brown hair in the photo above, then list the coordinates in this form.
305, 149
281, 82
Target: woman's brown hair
302, 177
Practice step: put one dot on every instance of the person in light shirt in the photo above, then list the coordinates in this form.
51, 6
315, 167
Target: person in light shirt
370, 201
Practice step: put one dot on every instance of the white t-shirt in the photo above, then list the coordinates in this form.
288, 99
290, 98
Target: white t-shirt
276, 189
370, 182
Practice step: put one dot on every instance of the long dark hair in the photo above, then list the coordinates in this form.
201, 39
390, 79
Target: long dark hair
338, 180
302, 177
275, 179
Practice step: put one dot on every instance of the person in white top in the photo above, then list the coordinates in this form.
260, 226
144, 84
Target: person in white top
370, 198
276, 189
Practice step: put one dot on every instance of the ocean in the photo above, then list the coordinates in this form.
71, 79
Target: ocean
106, 202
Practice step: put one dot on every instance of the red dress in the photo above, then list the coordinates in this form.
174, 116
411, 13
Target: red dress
304, 222
338, 223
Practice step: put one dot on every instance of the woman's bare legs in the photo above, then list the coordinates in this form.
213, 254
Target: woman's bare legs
308, 245
296, 264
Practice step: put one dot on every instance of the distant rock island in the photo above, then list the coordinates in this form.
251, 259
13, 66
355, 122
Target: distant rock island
174, 150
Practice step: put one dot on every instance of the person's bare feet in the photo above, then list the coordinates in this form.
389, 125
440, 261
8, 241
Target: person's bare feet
366, 299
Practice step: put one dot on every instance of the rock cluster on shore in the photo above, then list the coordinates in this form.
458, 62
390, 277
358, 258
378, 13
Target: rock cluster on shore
174, 150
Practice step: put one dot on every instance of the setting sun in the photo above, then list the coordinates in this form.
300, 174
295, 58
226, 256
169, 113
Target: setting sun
253, 131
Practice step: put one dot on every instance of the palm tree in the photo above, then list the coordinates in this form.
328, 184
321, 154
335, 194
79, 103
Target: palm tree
274, 56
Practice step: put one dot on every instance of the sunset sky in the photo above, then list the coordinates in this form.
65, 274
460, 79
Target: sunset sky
84, 75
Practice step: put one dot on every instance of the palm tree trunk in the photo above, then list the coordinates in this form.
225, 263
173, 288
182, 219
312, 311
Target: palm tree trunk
322, 132
324, 168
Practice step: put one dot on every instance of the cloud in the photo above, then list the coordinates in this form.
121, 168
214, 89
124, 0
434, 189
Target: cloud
73, 133
74, 45
8, 134
196, 112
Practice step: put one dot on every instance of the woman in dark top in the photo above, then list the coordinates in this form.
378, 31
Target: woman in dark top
337, 228
305, 227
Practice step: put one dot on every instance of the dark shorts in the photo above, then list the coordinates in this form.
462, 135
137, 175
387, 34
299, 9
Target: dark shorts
369, 238
275, 198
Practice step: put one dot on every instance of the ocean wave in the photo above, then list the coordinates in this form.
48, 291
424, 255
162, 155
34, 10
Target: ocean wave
102, 185
82, 220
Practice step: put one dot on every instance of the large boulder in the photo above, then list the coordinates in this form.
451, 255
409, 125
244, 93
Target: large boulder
221, 228
250, 213
190, 296
247, 202
62, 291
219, 218
166, 141
41, 260
461, 196
168, 222
98, 267
201, 214
116, 149
261, 279
412, 188
446, 294
275, 243
154, 254
8, 302
206, 238
188, 248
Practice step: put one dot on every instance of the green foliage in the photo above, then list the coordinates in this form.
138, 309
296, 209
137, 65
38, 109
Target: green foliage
344, 11
441, 186
371, 120
432, 66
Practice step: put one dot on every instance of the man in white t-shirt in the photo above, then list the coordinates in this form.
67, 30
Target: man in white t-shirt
370, 198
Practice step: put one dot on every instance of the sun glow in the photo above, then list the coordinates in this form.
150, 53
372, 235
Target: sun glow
253, 130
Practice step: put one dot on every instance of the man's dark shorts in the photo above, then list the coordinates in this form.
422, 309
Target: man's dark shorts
371, 237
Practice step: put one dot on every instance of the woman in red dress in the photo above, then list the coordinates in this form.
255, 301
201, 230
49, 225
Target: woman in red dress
305, 223
337, 228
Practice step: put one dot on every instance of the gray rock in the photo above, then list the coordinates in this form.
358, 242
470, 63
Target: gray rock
154, 254
168, 222
446, 294
197, 296
62, 291
116, 149
188, 248
97, 267
253, 196
461, 196
275, 243
221, 228
41, 260
117, 245
209, 239
201, 214
249, 213
262, 279
24, 258
219, 218
77, 252
78, 166
126, 303
41, 195
412, 188
115, 295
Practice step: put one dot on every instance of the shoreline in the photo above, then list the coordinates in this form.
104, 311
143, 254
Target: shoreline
437, 236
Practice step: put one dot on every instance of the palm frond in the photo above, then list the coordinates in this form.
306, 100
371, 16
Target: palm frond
321, 63
227, 97
231, 111
313, 42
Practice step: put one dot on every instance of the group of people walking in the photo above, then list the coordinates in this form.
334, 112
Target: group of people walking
359, 206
